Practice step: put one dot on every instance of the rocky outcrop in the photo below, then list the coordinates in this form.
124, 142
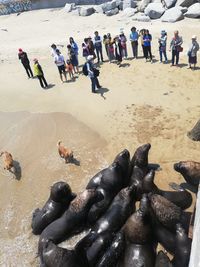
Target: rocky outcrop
84, 11
129, 12
112, 12
172, 15
141, 17
186, 3
109, 6
169, 3
154, 10
193, 11
129, 4
69, 7
143, 4
15, 7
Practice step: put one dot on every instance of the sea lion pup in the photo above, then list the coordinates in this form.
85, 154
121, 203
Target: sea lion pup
58, 201
162, 260
72, 221
8, 161
183, 248
114, 252
166, 212
64, 152
137, 228
190, 171
182, 198
54, 256
139, 166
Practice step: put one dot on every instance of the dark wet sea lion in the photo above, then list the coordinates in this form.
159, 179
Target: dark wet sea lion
54, 256
140, 157
162, 260
123, 158
121, 208
72, 221
190, 170
183, 248
139, 256
166, 212
138, 228
182, 198
114, 252
59, 200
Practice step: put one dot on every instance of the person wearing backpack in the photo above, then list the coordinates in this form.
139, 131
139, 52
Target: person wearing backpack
90, 71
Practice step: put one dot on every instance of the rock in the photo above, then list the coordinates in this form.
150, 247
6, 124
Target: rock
86, 11
99, 9
109, 6
183, 9
129, 4
154, 10
185, 3
172, 15
143, 4
141, 17
112, 12
129, 12
169, 3
69, 7
193, 11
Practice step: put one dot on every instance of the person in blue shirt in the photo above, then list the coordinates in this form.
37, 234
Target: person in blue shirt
98, 46
134, 41
162, 41
147, 38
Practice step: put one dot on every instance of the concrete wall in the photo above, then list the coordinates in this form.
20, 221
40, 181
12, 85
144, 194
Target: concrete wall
195, 251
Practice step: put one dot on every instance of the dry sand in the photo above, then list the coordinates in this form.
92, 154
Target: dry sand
141, 103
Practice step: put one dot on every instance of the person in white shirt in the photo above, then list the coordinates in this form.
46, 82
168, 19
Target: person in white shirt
53, 50
60, 63
92, 73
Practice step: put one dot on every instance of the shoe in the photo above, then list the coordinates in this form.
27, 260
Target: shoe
160, 62
151, 61
94, 92
99, 87
172, 65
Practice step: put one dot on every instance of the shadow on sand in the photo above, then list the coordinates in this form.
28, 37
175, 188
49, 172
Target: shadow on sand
17, 171
102, 91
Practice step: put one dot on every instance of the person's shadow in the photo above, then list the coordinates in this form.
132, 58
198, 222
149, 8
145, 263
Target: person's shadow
102, 91
50, 86
75, 162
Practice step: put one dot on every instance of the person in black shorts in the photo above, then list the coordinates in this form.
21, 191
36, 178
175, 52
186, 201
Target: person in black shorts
25, 62
60, 63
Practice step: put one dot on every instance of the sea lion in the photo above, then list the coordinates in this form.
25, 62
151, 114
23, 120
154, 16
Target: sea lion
121, 208
72, 221
123, 158
166, 212
54, 256
182, 248
190, 171
137, 228
182, 198
114, 252
139, 255
140, 157
59, 200
162, 260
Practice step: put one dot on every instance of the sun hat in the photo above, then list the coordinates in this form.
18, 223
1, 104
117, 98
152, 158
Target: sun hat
90, 57
35, 60
163, 32
194, 37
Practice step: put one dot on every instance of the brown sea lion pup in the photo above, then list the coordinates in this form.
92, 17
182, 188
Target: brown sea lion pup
137, 228
162, 260
190, 170
182, 198
183, 248
8, 161
166, 212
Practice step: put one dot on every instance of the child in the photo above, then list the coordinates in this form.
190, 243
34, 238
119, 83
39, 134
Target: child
69, 69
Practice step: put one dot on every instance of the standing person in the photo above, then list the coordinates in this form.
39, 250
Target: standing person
53, 50
118, 50
25, 62
176, 48
147, 38
39, 73
123, 41
134, 41
91, 47
70, 69
72, 57
92, 73
98, 46
192, 52
85, 49
142, 32
60, 63
105, 43
74, 46
110, 47
162, 46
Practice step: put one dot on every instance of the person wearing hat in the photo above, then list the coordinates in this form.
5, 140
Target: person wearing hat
39, 73
192, 52
98, 46
25, 62
92, 73
134, 41
175, 47
162, 46
60, 63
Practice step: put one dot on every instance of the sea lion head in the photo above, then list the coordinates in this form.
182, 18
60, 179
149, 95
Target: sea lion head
140, 157
60, 191
144, 204
123, 156
148, 182
128, 192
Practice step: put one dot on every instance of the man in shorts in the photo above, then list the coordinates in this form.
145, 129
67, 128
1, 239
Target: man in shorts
60, 63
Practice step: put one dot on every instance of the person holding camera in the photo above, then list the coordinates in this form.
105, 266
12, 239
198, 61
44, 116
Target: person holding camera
93, 73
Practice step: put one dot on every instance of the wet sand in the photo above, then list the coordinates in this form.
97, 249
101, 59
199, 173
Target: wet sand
140, 103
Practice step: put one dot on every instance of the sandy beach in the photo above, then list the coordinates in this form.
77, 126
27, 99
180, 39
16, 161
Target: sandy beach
139, 103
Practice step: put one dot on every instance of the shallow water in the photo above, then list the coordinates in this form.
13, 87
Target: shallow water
32, 139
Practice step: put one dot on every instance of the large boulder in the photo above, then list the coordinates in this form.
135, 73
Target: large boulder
185, 3
129, 4
112, 12
109, 6
86, 11
154, 10
182, 9
141, 17
129, 12
99, 9
169, 3
143, 4
69, 7
172, 15
193, 11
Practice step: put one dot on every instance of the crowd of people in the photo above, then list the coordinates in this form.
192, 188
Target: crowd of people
116, 51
